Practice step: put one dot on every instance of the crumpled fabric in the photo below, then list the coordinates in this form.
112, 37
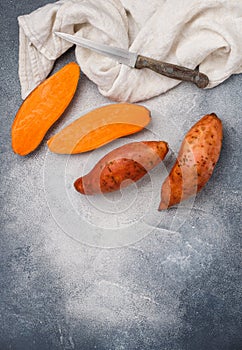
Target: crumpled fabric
191, 33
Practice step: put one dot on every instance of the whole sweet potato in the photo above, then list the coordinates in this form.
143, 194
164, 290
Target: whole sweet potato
195, 163
127, 163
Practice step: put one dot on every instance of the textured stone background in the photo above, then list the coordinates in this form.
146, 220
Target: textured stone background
171, 291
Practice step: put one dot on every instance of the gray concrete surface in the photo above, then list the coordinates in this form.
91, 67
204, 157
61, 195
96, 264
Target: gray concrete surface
172, 290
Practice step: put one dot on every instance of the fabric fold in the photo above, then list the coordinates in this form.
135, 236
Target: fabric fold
189, 33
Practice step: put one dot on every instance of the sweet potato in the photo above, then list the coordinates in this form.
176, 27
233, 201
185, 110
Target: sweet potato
127, 163
98, 127
195, 163
40, 110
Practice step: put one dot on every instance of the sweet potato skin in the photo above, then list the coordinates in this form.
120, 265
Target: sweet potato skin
195, 163
127, 163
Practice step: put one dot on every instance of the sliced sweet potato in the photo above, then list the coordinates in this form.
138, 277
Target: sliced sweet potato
195, 163
98, 127
45, 104
127, 163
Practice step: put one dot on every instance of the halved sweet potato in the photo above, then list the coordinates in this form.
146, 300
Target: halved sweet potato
40, 110
99, 127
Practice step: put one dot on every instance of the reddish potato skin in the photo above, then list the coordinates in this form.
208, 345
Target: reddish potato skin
127, 163
195, 163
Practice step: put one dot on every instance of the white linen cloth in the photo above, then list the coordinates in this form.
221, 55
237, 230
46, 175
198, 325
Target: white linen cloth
207, 33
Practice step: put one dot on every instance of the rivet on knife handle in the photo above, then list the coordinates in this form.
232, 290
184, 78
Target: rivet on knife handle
173, 71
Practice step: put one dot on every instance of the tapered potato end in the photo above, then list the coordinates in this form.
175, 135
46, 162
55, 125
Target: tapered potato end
166, 200
78, 184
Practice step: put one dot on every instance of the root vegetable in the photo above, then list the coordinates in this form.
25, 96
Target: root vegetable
40, 110
195, 163
99, 127
123, 165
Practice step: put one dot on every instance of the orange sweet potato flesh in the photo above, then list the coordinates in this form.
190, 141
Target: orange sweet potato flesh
195, 163
45, 104
99, 127
127, 163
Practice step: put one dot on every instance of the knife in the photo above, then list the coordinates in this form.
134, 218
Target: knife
135, 60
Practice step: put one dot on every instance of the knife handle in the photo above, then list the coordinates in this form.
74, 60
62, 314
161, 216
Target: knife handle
173, 71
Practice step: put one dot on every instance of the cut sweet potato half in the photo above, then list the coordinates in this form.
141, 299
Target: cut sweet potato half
99, 127
40, 110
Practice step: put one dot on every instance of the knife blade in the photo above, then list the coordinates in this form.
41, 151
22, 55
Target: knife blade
134, 60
